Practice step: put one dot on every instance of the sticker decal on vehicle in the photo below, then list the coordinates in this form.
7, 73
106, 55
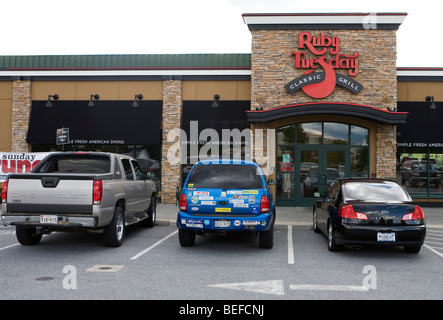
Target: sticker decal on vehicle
249, 191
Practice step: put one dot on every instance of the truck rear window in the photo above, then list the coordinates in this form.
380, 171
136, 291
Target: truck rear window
75, 164
225, 176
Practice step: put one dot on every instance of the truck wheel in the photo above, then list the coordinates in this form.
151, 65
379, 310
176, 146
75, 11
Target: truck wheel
27, 236
186, 237
266, 240
115, 231
152, 214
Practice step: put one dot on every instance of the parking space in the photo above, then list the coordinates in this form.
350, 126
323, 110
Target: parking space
151, 264
434, 240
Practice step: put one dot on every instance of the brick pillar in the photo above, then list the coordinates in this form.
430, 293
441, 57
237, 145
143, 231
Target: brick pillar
386, 151
21, 112
172, 111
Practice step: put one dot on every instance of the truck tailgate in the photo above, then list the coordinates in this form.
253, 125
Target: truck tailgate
46, 193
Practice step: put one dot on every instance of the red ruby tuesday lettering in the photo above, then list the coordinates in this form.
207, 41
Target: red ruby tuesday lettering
320, 46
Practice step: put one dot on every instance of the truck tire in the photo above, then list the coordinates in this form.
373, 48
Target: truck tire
266, 240
115, 231
27, 236
152, 214
186, 237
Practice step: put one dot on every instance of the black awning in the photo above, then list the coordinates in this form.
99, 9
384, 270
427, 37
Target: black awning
229, 115
108, 122
346, 109
424, 125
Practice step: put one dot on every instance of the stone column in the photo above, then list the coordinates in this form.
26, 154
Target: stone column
21, 112
386, 151
172, 111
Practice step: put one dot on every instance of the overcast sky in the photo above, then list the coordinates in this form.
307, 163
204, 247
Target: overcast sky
52, 27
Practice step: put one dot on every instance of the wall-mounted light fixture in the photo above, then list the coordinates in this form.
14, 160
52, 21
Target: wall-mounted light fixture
92, 98
431, 100
137, 98
54, 98
216, 104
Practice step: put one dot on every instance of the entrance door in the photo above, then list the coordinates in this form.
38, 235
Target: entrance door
316, 167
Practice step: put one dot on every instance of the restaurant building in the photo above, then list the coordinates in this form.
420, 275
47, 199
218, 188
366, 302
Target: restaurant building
319, 97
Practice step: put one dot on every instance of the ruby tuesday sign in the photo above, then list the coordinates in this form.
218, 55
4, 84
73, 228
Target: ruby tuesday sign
320, 84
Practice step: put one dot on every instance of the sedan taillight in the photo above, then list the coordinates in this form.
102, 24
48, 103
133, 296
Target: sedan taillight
418, 214
348, 212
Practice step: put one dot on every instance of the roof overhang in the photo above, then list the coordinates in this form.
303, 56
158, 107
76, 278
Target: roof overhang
328, 108
359, 21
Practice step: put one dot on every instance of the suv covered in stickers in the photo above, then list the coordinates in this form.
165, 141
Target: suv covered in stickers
226, 196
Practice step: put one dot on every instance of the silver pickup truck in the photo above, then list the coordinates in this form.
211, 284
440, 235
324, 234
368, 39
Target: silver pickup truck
71, 191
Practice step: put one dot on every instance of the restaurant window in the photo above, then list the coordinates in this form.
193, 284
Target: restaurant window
209, 132
420, 170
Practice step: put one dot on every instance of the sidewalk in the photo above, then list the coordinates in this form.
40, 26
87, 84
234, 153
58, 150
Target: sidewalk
294, 215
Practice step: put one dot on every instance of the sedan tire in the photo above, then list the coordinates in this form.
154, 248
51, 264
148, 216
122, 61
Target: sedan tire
412, 249
332, 245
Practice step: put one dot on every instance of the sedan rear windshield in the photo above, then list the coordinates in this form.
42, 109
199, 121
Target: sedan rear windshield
225, 176
374, 192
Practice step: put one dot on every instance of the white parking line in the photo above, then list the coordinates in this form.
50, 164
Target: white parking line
138, 255
290, 246
10, 246
433, 250
327, 287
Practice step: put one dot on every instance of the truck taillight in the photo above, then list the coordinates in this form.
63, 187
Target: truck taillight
4, 190
97, 191
183, 202
264, 204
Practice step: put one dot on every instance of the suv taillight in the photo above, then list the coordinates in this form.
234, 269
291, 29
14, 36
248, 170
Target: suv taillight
418, 214
4, 191
183, 202
97, 191
264, 204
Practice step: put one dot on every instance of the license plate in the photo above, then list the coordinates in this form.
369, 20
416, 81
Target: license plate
222, 223
48, 219
386, 237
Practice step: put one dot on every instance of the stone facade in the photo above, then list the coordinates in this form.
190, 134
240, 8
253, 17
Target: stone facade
172, 111
21, 111
272, 67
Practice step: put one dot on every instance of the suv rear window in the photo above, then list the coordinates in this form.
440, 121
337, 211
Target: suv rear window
225, 176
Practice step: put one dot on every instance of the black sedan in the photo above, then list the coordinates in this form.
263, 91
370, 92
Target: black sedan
356, 212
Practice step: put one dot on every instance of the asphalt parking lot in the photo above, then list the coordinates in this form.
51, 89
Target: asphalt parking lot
151, 265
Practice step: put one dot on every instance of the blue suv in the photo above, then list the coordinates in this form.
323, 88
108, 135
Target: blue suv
226, 196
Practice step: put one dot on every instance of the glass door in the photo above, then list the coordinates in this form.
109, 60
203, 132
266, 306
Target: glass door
308, 174
316, 167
